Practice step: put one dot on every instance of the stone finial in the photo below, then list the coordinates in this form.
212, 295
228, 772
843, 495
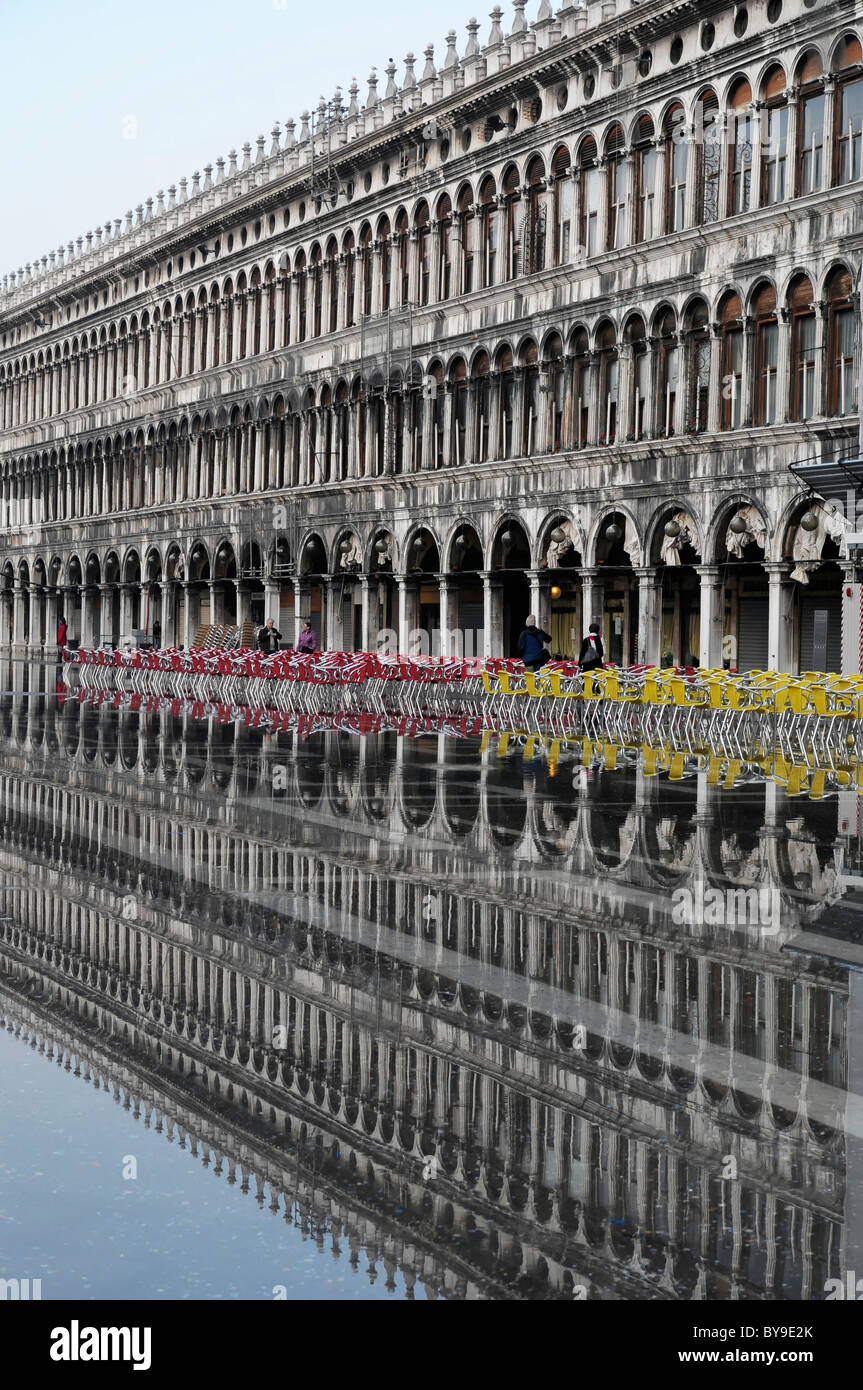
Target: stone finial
247, 156
390, 71
160, 203
107, 236
472, 49
545, 11
52, 259
429, 73
172, 197
79, 244
130, 218
208, 177
89, 242
232, 166
451, 59
220, 170
259, 154
184, 184
290, 138
353, 90
196, 184
97, 239
372, 100
276, 133
118, 226
338, 104
519, 23
305, 117
410, 81
139, 214
496, 35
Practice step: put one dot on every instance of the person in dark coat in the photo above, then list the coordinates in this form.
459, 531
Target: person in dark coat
531, 645
269, 638
157, 633
590, 657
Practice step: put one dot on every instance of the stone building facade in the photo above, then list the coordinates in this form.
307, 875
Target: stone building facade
539, 328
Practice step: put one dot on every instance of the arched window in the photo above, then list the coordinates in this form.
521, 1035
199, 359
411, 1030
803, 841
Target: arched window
243, 299
841, 372
562, 187
530, 396
615, 189
386, 263
534, 232
466, 229
482, 413
255, 292
639, 384
708, 148
438, 421
553, 383
489, 224
229, 324
580, 354
316, 268
810, 124
302, 285
458, 441
403, 238
764, 405
350, 278
774, 138
444, 233
506, 399
342, 430
423, 251
333, 268
667, 374
803, 329
739, 148
512, 230
606, 342
646, 169
417, 413
367, 263
588, 214
731, 362
848, 110
698, 337
676, 160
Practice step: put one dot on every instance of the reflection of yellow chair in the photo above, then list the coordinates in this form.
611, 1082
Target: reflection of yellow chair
816, 786
676, 769
732, 773
796, 777
651, 759
485, 740
609, 754
714, 770
503, 745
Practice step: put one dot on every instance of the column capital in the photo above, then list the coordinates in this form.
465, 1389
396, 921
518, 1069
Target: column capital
777, 569
708, 573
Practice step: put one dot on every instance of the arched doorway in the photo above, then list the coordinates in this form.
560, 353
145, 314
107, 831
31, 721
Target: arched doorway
465, 618
346, 594
561, 561
510, 557
419, 607
613, 604
815, 597
743, 596
675, 552
313, 567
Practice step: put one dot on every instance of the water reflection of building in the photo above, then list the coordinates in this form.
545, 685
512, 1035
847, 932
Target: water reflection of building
431, 931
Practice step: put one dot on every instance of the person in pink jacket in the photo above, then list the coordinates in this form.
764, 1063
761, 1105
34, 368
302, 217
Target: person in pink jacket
306, 642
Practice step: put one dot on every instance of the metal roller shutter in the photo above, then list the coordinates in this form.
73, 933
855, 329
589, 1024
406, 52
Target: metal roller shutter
752, 632
821, 632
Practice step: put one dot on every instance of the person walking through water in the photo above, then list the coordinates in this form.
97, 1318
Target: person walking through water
591, 655
531, 645
62, 634
307, 642
269, 638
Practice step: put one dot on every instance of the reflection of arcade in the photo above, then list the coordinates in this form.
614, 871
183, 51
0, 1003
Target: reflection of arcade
434, 931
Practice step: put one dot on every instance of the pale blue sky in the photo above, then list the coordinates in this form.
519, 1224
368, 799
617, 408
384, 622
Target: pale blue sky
199, 76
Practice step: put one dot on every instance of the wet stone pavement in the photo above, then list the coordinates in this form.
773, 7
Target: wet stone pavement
445, 1017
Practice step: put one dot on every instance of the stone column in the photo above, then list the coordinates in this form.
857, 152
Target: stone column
370, 593
271, 603
302, 603
409, 596
492, 591
649, 580
540, 597
593, 596
779, 623
451, 640
88, 614
187, 633
710, 625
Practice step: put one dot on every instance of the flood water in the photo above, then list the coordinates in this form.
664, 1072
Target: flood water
422, 1016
